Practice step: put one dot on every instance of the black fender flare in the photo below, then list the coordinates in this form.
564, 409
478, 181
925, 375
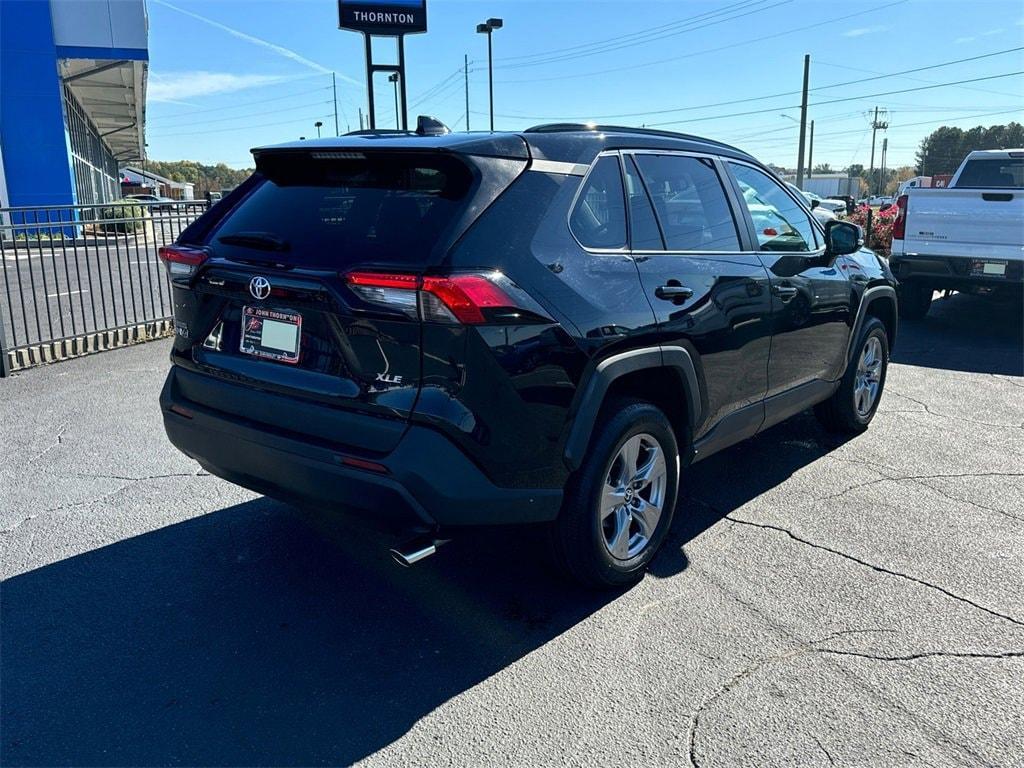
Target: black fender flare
616, 366
866, 298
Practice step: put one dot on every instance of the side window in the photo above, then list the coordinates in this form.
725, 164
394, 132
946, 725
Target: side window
644, 234
690, 203
599, 218
780, 223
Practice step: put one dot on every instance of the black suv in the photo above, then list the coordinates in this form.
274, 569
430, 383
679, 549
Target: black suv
437, 330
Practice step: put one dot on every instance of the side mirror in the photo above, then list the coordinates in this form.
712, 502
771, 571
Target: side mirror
842, 237
814, 204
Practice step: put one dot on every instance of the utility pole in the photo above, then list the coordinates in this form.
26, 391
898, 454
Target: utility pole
810, 152
803, 123
465, 73
334, 87
881, 173
360, 118
875, 125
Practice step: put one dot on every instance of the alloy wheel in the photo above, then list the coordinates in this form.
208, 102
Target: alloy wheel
633, 496
869, 376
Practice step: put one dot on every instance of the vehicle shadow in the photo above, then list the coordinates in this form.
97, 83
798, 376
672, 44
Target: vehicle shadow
248, 636
975, 334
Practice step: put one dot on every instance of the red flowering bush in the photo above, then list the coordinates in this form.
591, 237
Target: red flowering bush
880, 239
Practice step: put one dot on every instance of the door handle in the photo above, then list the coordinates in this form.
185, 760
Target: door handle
784, 292
673, 292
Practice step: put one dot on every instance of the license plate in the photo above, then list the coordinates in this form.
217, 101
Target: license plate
271, 333
990, 268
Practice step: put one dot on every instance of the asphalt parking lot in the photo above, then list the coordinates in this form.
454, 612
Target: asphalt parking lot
820, 602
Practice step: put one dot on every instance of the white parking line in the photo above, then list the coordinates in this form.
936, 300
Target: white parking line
64, 293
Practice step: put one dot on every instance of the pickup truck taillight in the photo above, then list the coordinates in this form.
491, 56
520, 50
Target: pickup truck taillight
899, 225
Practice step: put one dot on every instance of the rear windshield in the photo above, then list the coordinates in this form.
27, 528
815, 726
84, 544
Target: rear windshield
996, 172
321, 210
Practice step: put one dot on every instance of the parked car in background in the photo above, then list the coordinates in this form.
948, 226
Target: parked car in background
823, 210
155, 202
846, 200
968, 237
440, 330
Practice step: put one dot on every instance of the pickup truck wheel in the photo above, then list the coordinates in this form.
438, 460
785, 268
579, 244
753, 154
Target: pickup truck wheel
914, 299
619, 506
853, 405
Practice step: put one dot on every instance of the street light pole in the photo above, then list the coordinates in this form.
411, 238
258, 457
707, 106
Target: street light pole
318, 124
488, 28
393, 78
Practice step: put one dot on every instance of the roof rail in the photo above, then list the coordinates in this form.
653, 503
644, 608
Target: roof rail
379, 132
571, 127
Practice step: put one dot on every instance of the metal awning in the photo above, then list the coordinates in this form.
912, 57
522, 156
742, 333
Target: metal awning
113, 94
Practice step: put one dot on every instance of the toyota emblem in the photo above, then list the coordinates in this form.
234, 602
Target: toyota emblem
259, 287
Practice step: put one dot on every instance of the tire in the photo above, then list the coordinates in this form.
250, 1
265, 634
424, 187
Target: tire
915, 299
585, 534
847, 411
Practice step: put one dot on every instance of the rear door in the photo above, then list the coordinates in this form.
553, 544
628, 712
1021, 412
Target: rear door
310, 285
707, 289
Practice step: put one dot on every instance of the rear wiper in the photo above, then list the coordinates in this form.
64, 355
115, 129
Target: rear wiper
261, 240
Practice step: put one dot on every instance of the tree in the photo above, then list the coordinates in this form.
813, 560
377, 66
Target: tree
944, 149
822, 168
205, 178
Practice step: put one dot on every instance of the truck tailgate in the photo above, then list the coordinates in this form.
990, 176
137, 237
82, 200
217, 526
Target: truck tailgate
976, 223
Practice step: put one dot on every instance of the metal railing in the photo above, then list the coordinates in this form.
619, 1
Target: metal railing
77, 278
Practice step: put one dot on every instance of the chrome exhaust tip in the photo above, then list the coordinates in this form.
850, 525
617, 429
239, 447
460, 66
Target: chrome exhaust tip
414, 550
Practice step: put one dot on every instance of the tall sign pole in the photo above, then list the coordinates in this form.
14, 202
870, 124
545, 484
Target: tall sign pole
384, 18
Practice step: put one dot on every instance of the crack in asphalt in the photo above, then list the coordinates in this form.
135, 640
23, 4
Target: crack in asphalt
104, 496
927, 655
897, 478
802, 649
927, 408
821, 746
59, 439
878, 568
881, 469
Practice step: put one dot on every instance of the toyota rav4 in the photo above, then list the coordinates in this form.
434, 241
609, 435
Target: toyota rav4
433, 330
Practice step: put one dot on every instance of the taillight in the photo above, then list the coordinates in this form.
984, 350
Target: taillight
180, 260
899, 224
471, 299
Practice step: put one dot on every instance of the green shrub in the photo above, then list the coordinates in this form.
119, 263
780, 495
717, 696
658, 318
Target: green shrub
113, 217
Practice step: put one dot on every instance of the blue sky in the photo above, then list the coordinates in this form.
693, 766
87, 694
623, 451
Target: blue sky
227, 75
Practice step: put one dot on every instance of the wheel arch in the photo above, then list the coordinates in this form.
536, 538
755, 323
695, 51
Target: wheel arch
653, 374
877, 301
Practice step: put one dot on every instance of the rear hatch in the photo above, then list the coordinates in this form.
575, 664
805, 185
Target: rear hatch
300, 285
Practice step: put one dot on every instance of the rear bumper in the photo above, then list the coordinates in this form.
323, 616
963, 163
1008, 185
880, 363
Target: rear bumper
426, 480
955, 272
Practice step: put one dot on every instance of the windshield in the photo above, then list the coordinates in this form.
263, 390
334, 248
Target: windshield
999, 173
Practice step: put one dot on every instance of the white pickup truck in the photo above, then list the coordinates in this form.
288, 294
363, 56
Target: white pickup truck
967, 237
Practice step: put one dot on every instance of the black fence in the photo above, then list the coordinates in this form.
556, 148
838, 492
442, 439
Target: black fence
80, 278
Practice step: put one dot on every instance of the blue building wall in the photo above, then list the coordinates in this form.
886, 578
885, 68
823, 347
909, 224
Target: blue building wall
36, 155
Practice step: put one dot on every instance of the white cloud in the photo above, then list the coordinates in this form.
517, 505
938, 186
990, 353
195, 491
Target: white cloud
861, 31
173, 87
280, 50
962, 40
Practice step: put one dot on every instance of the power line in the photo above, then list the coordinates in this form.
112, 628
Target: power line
260, 125
770, 96
741, 43
850, 98
615, 47
169, 129
247, 103
638, 36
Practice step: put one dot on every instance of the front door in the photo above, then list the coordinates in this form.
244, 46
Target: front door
709, 293
811, 297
